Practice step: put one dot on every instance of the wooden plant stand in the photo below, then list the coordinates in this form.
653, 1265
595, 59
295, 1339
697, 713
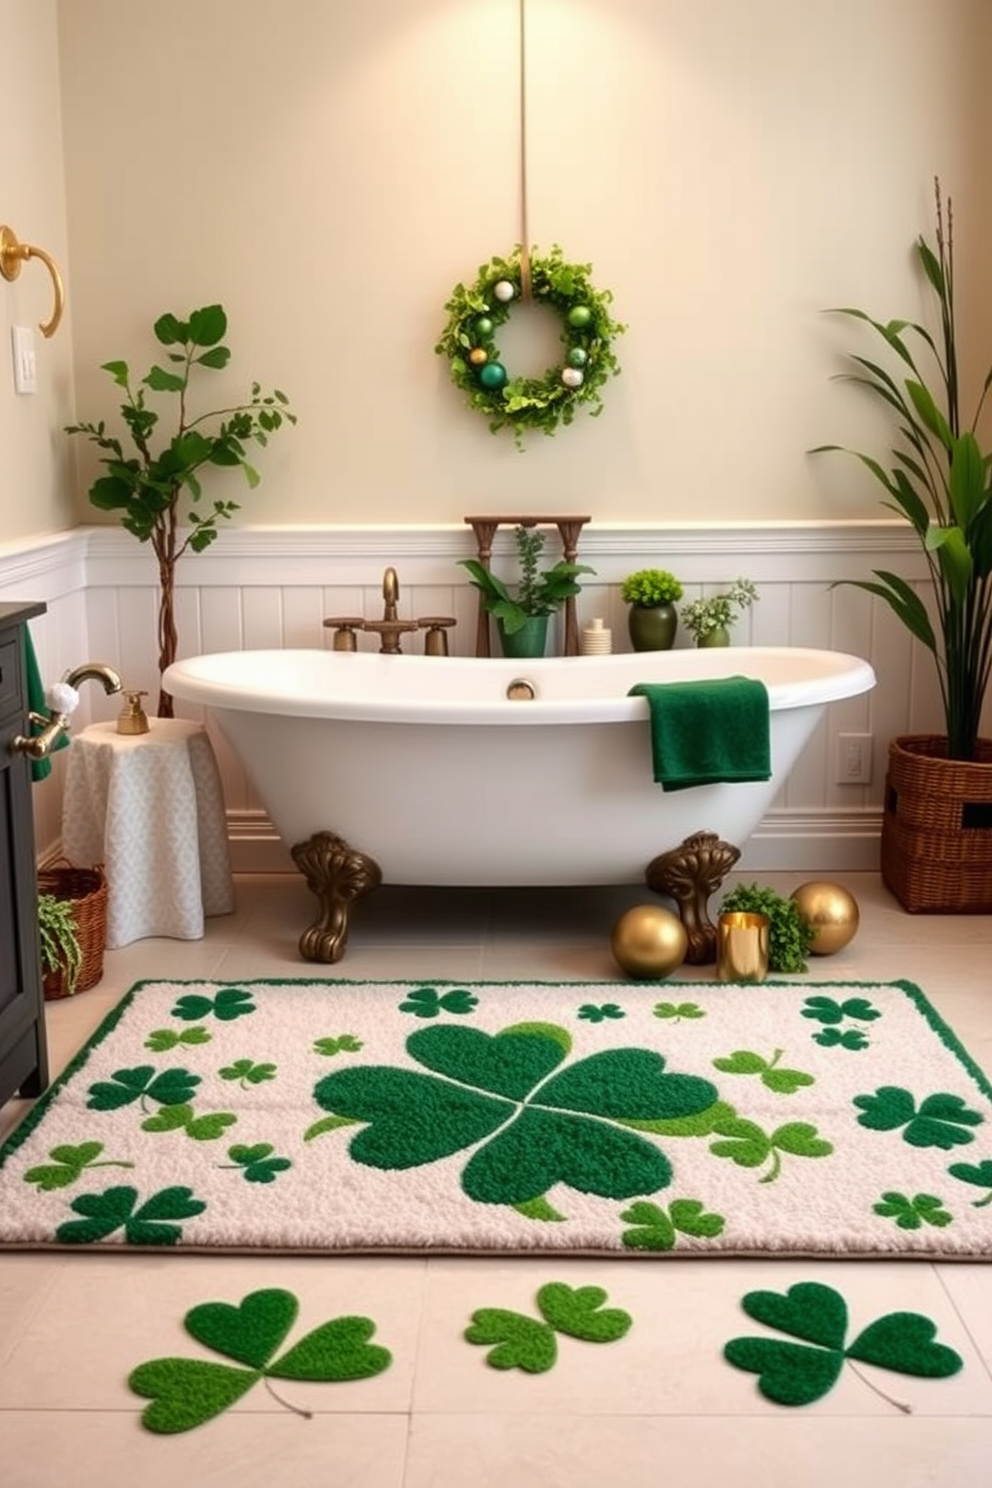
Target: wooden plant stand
569, 530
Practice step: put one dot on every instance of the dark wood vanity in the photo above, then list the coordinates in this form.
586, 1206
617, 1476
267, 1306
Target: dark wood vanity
23, 1048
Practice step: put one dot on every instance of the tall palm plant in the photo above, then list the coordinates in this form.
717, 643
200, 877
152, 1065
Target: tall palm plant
941, 482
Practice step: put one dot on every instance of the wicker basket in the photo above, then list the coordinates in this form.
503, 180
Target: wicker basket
936, 848
86, 888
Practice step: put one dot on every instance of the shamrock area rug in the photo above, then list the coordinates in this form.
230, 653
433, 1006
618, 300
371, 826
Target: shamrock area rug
497, 1118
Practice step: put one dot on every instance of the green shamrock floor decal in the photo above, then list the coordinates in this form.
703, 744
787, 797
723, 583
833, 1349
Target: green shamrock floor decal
516, 1341
188, 1392
613, 1118
801, 1373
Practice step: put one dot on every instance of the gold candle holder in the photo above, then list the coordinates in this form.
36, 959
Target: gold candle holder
742, 947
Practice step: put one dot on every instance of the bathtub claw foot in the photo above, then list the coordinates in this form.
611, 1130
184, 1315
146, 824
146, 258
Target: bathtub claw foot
689, 874
339, 876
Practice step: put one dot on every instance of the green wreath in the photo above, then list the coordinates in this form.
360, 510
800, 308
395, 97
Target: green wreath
475, 313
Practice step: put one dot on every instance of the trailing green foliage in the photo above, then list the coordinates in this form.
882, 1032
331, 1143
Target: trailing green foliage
475, 314
60, 948
650, 587
537, 593
789, 934
941, 482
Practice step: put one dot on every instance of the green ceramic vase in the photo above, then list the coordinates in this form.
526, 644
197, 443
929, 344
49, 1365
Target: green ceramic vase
652, 627
531, 640
718, 636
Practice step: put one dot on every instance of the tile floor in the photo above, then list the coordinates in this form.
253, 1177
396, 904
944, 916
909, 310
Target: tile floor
661, 1407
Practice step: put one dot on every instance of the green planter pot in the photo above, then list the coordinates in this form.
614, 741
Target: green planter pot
530, 641
652, 627
719, 636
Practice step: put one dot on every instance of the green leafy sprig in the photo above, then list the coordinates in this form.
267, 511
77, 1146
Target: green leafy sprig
790, 935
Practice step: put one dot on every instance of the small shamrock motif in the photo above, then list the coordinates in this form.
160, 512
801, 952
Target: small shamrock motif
68, 1165
169, 1088
836, 1038
428, 1002
979, 1174
781, 1081
150, 1223
594, 1013
800, 1373
161, 1040
940, 1121
747, 1145
229, 1003
911, 1213
188, 1392
345, 1043
676, 1011
516, 1341
247, 1073
827, 1010
205, 1128
257, 1163
656, 1228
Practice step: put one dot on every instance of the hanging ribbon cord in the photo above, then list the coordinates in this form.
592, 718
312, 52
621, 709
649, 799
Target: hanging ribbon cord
524, 231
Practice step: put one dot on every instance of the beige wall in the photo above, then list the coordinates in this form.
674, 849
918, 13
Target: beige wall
34, 486
329, 172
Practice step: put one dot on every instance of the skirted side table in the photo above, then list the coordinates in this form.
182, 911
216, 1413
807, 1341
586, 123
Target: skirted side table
150, 809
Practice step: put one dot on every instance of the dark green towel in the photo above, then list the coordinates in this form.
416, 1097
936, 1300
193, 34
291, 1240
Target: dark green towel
703, 733
36, 702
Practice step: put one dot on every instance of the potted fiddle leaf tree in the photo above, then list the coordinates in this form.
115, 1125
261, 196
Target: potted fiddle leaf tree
521, 614
154, 475
936, 847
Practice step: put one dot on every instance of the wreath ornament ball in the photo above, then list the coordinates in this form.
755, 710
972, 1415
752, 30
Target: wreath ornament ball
475, 313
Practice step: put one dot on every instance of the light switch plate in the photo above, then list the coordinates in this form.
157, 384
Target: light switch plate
22, 344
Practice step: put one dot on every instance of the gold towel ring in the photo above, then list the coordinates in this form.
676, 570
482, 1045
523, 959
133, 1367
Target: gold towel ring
13, 254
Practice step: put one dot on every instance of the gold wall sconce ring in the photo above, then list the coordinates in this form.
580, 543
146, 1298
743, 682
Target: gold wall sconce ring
13, 254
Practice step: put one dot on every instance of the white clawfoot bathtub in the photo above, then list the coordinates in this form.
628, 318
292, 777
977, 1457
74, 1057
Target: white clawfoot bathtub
423, 763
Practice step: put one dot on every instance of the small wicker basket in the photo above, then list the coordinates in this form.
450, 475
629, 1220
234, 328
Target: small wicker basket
86, 889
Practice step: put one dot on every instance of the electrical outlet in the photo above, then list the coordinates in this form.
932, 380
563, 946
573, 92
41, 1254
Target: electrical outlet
854, 759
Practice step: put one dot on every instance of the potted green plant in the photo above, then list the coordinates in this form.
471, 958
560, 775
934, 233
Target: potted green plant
61, 953
937, 856
652, 619
522, 615
710, 620
146, 486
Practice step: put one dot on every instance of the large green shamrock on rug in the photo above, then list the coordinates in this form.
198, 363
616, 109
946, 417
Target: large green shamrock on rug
533, 1120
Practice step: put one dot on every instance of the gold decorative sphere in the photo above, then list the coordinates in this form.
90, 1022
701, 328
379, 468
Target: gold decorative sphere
832, 912
649, 941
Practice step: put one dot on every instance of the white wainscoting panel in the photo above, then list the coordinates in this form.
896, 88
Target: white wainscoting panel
259, 587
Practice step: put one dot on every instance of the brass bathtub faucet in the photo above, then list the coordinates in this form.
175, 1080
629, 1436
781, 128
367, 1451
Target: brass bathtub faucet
391, 627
